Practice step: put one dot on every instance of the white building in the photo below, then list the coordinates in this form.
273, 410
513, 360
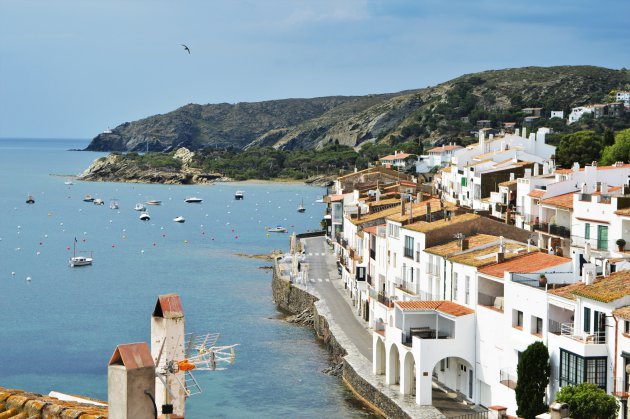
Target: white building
398, 160
624, 96
557, 114
437, 156
576, 113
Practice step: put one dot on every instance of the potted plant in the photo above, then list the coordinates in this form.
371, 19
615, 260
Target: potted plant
621, 243
542, 280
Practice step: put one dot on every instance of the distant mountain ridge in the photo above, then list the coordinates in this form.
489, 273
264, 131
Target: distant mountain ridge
431, 115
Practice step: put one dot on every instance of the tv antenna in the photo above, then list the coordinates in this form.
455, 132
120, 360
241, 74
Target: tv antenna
203, 354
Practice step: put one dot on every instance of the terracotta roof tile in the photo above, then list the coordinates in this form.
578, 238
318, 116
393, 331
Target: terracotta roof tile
36, 405
424, 227
132, 356
623, 312
564, 201
168, 306
444, 148
487, 255
395, 156
537, 193
453, 247
417, 210
446, 307
532, 262
604, 289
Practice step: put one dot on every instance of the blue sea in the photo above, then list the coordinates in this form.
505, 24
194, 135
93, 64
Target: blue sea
59, 329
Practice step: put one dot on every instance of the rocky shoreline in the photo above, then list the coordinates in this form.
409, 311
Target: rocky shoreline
116, 168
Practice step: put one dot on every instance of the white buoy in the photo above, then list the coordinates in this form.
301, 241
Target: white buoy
60, 224
28, 278
13, 273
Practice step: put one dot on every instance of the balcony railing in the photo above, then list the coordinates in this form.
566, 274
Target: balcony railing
507, 378
621, 387
494, 302
385, 300
567, 329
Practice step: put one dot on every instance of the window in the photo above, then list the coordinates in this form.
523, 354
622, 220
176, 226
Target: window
626, 326
455, 281
537, 325
408, 247
467, 290
393, 230
602, 237
587, 320
587, 231
517, 319
575, 369
464, 181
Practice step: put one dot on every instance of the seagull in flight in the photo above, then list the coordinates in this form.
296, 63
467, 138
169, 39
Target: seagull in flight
186, 48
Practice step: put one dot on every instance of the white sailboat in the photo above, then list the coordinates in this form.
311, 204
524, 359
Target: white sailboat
79, 260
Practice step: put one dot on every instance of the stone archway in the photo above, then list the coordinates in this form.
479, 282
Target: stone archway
455, 374
392, 373
379, 357
408, 376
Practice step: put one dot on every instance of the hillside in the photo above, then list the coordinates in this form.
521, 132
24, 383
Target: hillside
432, 115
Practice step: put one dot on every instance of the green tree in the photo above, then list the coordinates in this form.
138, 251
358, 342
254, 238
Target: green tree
620, 150
609, 137
587, 401
583, 147
533, 372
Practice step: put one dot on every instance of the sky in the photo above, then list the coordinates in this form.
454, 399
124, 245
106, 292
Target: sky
73, 68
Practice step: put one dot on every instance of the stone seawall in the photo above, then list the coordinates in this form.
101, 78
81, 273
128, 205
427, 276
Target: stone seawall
357, 371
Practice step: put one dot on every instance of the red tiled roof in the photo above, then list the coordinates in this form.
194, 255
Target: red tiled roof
565, 200
372, 229
446, 307
335, 198
168, 306
531, 262
444, 148
395, 156
537, 193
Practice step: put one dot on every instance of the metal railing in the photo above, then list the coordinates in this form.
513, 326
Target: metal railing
507, 378
385, 300
568, 330
554, 327
621, 387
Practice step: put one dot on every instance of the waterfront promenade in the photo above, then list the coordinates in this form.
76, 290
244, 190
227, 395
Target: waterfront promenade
351, 331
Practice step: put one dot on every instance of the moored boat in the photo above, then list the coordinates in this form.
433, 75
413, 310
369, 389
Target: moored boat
145, 216
179, 219
301, 207
239, 195
277, 229
113, 204
154, 202
30, 199
79, 260
99, 201
193, 200
139, 207
88, 198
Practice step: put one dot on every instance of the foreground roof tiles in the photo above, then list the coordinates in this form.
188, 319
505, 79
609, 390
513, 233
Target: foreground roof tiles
604, 289
623, 312
424, 227
26, 405
446, 307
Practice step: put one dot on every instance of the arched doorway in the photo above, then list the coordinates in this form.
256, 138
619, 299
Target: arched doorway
379, 357
392, 375
455, 375
408, 385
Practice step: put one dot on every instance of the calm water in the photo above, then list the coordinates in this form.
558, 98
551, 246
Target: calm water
59, 330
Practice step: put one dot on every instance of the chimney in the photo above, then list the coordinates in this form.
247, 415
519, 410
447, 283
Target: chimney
419, 197
576, 167
482, 140
536, 169
528, 173
463, 244
130, 382
403, 209
410, 210
167, 337
500, 257
511, 175
603, 187
428, 212
524, 132
358, 211
588, 273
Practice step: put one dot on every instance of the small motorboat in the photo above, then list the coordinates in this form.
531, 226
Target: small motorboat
113, 204
277, 229
30, 199
239, 195
139, 207
98, 201
154, 202
68, 182
145, 216
88, 198
193, 200
79, 260
179, 219
301, 207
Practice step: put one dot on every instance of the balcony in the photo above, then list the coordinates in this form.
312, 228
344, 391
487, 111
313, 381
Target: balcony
621, 387
552, 229
568, 330
386, 301
507, 378
425, 332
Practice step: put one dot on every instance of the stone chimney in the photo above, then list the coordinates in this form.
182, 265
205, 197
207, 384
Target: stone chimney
358, 211
167, 337
131, 382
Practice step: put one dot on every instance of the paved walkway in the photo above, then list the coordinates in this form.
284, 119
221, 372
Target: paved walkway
323, 277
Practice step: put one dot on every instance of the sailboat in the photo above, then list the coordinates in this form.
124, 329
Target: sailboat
301, 207
79, 260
